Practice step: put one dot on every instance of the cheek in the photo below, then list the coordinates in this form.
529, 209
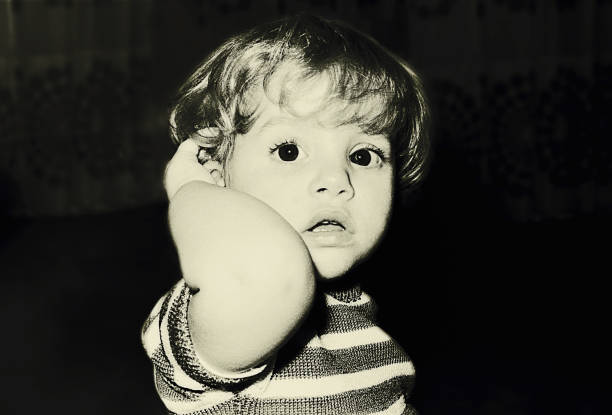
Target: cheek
377, 187
272, 188
249, 182
376, 200
242, 172
282, 193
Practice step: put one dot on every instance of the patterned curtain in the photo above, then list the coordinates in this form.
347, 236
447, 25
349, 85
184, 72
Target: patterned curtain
76, 123
520, 90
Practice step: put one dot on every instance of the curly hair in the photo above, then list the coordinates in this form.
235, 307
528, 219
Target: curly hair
369, 86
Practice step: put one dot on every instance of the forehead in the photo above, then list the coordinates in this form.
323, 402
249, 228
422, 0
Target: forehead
297, 92
306, 113
274, 123
293, 93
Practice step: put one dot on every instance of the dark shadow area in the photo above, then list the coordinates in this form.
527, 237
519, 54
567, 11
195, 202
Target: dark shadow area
499, 318
493, 279
75, 292
515, 309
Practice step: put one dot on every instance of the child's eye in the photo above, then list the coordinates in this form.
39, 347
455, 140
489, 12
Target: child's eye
287, 151
367, 157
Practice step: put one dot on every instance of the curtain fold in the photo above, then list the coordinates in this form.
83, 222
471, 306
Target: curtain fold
75, 114
520, 91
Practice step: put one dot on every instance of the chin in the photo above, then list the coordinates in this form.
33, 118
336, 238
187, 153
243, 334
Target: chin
331, 267
330, 275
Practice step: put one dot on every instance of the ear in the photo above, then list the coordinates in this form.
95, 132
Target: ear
203, 138
208, 132
215, 168
216, 172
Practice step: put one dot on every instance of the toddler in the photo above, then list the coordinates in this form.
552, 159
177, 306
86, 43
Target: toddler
295, 138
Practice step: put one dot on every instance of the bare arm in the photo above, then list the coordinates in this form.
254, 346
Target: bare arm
253, 273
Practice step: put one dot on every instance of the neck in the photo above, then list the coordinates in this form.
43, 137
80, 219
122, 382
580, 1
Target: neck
346, 288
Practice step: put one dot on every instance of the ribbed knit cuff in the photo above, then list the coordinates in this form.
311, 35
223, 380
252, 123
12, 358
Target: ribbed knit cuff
346, 294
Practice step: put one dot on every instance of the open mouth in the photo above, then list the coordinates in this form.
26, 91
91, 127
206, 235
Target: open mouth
330, 229
327, 225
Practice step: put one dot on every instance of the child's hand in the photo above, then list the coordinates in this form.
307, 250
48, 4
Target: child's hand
184, 167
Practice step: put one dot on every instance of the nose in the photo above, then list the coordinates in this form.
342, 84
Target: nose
332, 182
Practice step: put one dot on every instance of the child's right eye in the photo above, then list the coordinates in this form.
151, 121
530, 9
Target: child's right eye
287, 151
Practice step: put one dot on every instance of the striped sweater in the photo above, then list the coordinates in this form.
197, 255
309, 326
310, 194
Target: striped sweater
339, 362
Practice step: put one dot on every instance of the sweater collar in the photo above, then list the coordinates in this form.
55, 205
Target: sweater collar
344, 291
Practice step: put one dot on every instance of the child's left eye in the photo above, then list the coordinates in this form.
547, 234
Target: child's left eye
367, 157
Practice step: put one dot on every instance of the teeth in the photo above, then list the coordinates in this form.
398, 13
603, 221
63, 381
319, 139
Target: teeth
327, 226
330, 229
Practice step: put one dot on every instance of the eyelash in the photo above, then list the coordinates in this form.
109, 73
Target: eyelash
380, 153
383, 156
283, 143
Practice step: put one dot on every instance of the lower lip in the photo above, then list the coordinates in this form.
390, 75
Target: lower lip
329, 238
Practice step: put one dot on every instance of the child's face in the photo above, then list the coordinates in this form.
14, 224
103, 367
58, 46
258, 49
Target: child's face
333, 184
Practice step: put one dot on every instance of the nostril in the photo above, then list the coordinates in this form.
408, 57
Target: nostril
325, 189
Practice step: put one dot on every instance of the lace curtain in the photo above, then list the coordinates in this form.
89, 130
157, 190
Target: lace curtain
77, 126
520, 90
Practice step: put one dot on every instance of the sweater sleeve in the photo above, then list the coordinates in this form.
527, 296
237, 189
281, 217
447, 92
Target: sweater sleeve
183, 380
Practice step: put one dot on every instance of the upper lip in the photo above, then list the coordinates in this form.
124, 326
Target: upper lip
332, 215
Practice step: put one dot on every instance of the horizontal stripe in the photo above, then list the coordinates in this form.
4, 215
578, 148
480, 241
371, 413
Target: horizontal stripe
209, 400
162, 364
192, 371
334, 341
331, 385
173, 337
319, 362
376, 399
226, 408
153, 315
348, 366
260, 384
150, 337
183, 401
343, 318
169, 391
396, 409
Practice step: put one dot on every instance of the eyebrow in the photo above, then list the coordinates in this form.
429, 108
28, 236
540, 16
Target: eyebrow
272, 122
379, 139
383, 142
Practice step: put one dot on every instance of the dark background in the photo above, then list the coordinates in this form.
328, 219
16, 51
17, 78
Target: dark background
492, 278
